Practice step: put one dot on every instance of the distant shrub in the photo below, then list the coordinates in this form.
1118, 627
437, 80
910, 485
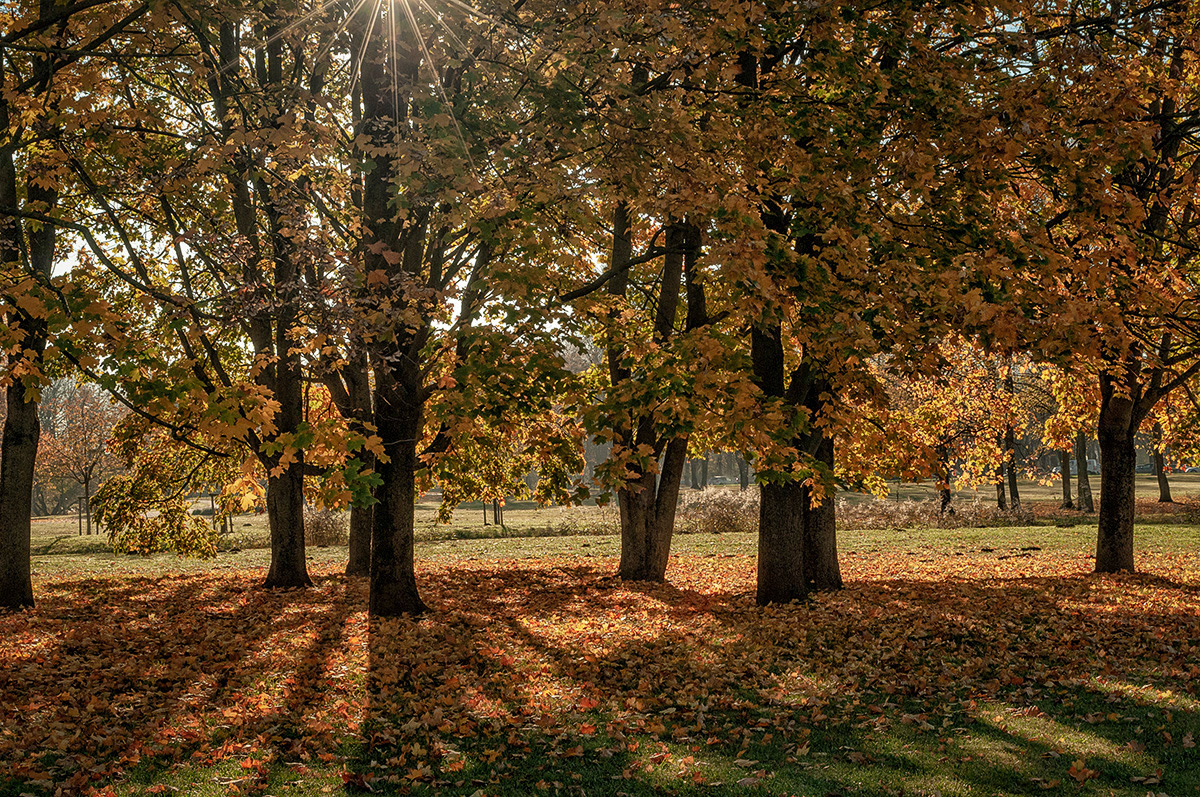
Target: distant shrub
887, 514
714, 510
326, 527
589, 521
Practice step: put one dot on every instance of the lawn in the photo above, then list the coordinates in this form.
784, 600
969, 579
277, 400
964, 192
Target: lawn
956, 661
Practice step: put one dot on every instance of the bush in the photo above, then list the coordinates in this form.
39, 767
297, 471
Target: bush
324, 527
885, 514
715, 510
589, 521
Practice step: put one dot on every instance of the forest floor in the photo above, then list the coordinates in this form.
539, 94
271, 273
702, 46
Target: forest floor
955, 661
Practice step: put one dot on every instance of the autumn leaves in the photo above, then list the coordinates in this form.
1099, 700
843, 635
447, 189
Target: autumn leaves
343, 251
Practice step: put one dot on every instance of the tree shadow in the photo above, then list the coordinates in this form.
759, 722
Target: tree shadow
645, 688
131, 677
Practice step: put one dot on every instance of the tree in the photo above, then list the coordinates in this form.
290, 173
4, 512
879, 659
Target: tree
148, 507
46, 55
1107, 252
861, 246
77, 423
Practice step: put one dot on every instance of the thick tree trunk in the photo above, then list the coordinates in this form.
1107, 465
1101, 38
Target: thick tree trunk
781, 540
648, 503
361, 523
647, 509
1064, 465
398, 417
1084, 489
1118, 464
1001, 501
821, 569
694, 466
1160, 470
781, 543
743, 473
393, 571
285, 515
22, 431
1114, 541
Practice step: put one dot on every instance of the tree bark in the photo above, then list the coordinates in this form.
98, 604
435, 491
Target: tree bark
647, 503
820, 559
397, 249
285, 491
361, 522
1064, 465
1010, 445
704, 472
781, 543
694, 466
1001, 501
393, 589
1118, 463
22, 428
285, 515
1114, 541
22, 431
1160, 470
782, 504
743, 473
1084, 489
648, 517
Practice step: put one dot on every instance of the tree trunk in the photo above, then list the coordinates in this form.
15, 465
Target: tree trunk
87, 505
361, 521
1118, 464
820, 559
1001, 501
647, 508
743, 473
1064, 465
694, 467
704, 472
1160, 471
781, 543
285, 491
398, 417
22, 428
1084, 489
22, 431
1114, 542
1010, 445
648, 503
285, 515
945, 478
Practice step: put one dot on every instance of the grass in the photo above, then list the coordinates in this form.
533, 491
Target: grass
958, 661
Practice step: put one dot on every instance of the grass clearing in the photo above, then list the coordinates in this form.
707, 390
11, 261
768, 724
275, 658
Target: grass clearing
956, 662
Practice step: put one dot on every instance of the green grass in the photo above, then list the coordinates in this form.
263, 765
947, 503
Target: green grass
1121, 716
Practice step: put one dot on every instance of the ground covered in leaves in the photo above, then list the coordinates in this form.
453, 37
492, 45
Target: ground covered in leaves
964, 672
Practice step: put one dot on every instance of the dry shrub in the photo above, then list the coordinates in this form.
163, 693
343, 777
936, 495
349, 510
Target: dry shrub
886, 514
716, 510
589, 521
324, 527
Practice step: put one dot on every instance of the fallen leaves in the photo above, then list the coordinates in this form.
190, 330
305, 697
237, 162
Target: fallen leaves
554, 661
